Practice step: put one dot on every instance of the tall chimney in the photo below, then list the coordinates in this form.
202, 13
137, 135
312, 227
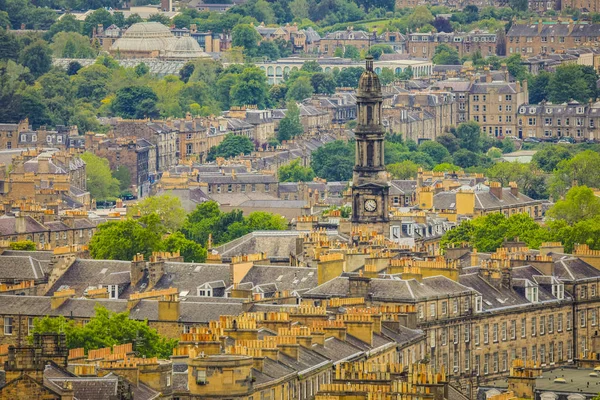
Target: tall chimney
496, 189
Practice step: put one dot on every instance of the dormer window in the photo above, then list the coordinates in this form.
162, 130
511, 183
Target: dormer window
206, 292
531, 292
478, 304
558, 291
113, 291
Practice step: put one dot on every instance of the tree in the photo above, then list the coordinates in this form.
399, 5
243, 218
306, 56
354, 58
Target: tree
160, 18
420, 16
246, 36
92, 82
435, 150
449, 141
67, 23
583, 232
25, 245
10, 46
269, 50
538, 87
37, 57
469, 136
529, 179
547, 158
442, 25
252, 88
299, 9
508, 145
446, 167
349, 77
121, 240
569, 83
487, 233
123, 175
300, 89
311, 66
100, 16
519, 5
290, 125
73, 68
135, 102
231, 146
100, 182
403, 170
465, 158
72, 45
106, 329
294, 172
167, 207
576, 171
352, 52
141, 69
445, 55
334, 161
265, 221
378, 49
188, 249
387, 76
515, 67
580, 203
323, 83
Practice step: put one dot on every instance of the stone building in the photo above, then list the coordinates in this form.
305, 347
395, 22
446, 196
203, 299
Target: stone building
466, 44
359, 39
547, 121
262, 120
493, 104
421, 115
137, 155
550, 37
161, 134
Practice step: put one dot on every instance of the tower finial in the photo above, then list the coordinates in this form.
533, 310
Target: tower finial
369, 62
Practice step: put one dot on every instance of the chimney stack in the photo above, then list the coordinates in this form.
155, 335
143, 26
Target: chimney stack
496, 189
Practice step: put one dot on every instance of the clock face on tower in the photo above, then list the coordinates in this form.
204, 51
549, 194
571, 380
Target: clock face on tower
370, 205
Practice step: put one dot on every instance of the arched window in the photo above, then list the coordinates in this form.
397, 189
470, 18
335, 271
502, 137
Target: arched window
369, 115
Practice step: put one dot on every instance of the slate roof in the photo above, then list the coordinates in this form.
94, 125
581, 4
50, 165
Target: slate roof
554, 29
568, 268
337, 350
21, 268
392, 289
8, 228
500, 86
188, 276
86, 272
283, 277
483, 200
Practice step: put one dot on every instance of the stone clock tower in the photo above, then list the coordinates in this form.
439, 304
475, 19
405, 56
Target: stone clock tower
370, 186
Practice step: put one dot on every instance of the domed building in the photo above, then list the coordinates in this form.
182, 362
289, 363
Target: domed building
143, 40
183, 49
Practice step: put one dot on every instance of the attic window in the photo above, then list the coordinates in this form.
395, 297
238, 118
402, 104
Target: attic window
204, 292
558, 291
103, 271
184, 293
279, 278
198, 268
311, 273
478, 304
531, 293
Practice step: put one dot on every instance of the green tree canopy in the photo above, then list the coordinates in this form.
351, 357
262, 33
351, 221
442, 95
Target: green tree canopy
26, 245
469, 136
231, 146
246, 36
294, 172
569, 82
488, 232
106, 329
100, 182
166, 206
121, 240
352, 52
37, 57
300, 89
548, 158
135, 102
403, 170
334, 161
188, 249
449, 141
435, 150
445, 55
580, 203
576, 171
290, 125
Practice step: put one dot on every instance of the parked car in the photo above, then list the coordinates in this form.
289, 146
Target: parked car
532, 140
568, 140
